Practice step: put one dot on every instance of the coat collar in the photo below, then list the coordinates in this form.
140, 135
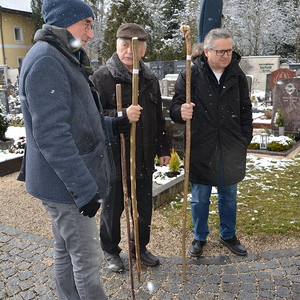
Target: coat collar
233, 67
63, 40
120, 72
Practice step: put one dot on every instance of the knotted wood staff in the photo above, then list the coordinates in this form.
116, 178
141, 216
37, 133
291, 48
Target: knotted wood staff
135, 91
185, 29
125, 188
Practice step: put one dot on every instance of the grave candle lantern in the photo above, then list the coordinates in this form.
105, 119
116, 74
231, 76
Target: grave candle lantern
264, 139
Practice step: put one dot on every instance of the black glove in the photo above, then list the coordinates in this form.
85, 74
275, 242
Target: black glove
120, 125
91, 208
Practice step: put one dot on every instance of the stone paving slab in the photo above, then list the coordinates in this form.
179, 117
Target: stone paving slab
26, 272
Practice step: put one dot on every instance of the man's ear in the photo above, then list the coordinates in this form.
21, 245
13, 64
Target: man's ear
145, 49
205, 51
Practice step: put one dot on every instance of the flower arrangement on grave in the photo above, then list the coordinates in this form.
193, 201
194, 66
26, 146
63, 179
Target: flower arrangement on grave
267, 110
265, 107
19, 146
17, 120
279, 118
4, 122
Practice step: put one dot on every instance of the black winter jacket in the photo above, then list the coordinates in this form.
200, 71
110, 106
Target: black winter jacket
221, 123
151, 135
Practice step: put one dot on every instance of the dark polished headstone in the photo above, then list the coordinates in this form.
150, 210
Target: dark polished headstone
249, 81
286, 96
268, 91
175, 132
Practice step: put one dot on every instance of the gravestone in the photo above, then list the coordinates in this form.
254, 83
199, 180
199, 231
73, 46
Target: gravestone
294, 66
281, 74
258, 67
175, 132
278, 75
167, 85
268, 90
179, 65
161, 68
4, 99
286, 96
249, 81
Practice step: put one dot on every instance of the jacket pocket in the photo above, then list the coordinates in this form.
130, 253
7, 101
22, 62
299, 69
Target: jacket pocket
153, 98
99, 163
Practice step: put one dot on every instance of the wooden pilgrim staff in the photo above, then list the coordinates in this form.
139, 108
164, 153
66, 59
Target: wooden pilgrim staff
185, 29
125, 188
135, 87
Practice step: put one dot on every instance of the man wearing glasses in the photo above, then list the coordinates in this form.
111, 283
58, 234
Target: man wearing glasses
221, 129
67, 163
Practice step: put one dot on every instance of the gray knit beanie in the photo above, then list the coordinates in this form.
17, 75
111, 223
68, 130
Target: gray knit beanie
64, 13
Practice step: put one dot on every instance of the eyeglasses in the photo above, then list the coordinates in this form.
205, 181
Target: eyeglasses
88, 25
222, 52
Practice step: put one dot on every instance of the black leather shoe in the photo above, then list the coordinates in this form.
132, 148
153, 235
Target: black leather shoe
234, 246
196, 248
147, 258
114, 262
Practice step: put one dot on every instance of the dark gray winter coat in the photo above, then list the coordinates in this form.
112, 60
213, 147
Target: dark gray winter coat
151, 135
221, 123
67, 153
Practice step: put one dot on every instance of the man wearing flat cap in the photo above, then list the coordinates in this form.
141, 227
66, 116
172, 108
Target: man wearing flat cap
151, 141
68, 163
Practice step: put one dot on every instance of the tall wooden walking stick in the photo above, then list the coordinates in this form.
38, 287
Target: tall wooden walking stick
185, 29
135, 87
125, 188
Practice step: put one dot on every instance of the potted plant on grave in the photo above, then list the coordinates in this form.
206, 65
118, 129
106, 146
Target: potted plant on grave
268, 111
279, 121
174, 164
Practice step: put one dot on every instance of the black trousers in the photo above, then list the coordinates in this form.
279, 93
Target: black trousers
112, 208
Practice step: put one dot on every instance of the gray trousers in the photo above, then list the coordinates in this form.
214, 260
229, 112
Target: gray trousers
77, 253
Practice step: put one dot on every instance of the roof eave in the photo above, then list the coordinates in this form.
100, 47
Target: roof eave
16, 12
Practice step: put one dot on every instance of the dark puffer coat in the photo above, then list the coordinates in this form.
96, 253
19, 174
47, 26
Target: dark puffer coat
221, 123
151, 135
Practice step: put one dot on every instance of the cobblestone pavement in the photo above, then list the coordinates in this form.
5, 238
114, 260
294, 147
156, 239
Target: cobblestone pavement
26, 272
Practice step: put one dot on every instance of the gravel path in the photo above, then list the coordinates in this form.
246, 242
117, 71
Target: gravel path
24, 212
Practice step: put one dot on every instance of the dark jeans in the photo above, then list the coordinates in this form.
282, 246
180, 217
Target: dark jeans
112, 208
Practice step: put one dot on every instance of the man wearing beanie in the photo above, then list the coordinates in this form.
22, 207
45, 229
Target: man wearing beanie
151, 141
67, 161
